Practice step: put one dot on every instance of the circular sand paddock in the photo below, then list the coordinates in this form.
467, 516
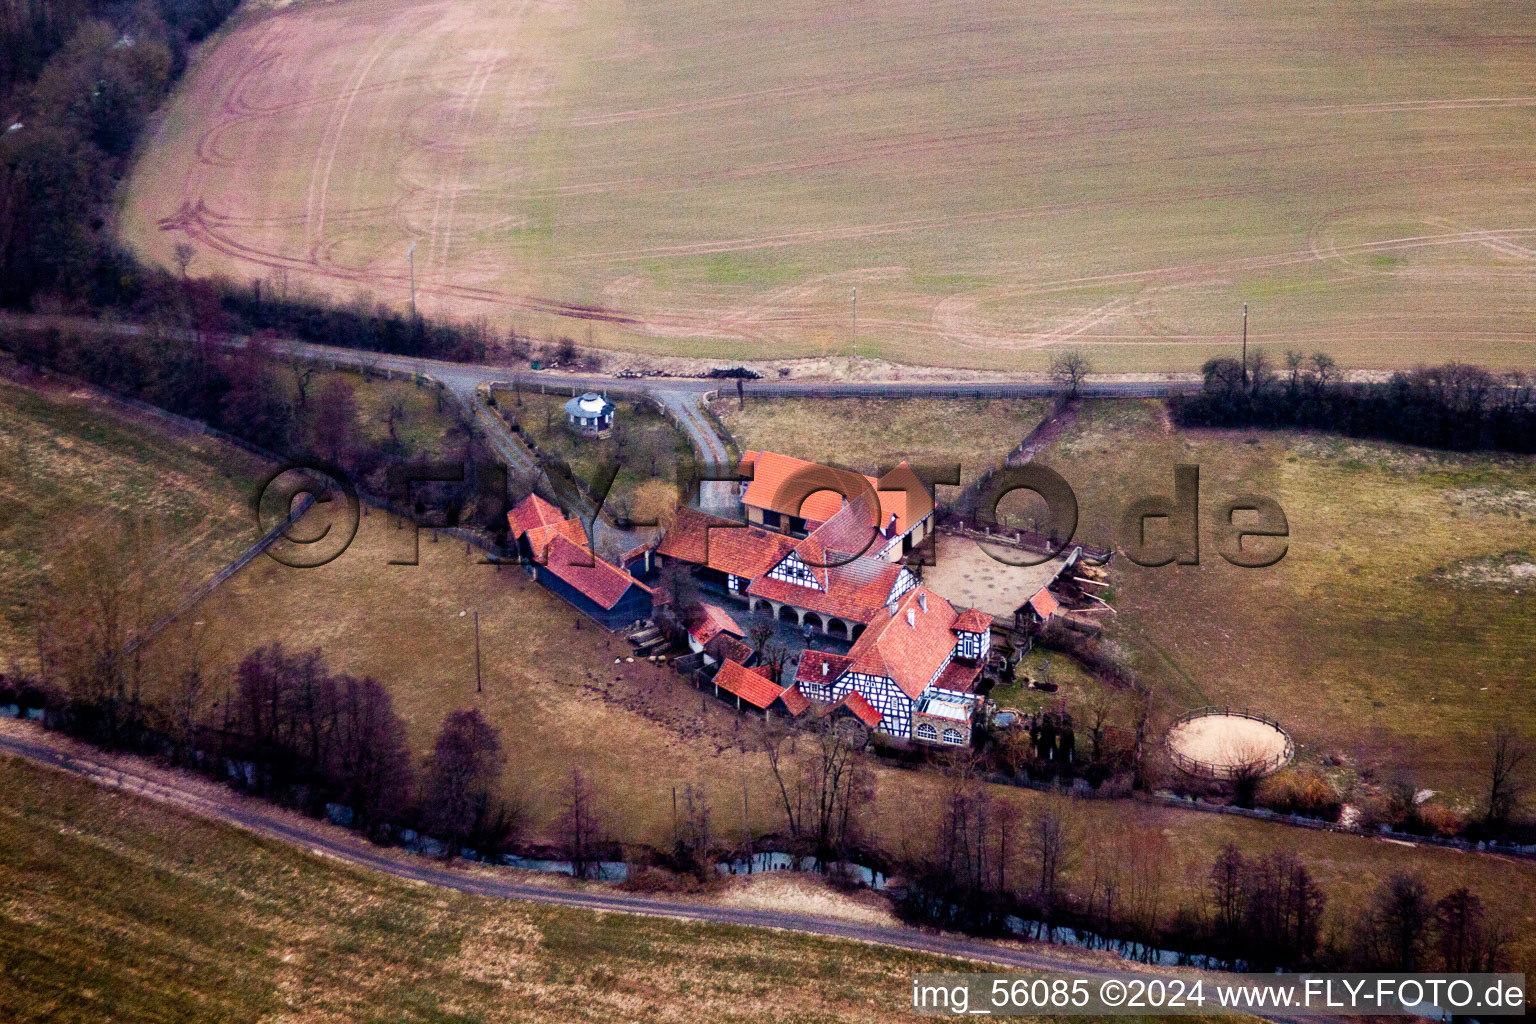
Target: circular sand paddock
1220, 743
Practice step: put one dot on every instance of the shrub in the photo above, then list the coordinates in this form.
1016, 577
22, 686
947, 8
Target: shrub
1304, 793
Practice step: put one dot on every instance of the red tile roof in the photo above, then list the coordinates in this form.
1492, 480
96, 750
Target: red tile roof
973, 620
812, 663
531, 513
910, 645
854, 701
852, 532
903, 493
540, 536
795, 487
724, 647
1044, 603
716, 620
723, 544
795, 702
541, 522
959, 676
604, 583
855, 591
752, 685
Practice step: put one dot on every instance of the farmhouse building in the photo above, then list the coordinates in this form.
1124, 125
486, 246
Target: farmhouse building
556, 555
590, 415
833, 563
916, 666
797, 497
534, 522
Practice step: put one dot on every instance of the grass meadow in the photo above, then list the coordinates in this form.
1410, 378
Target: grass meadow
1396, 631
72, 463
996, 180
645, 446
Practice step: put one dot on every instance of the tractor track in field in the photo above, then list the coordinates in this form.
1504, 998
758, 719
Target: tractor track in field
434, 207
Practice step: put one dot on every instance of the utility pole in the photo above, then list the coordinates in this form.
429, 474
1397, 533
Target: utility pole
746, 824
855, 301
477, 651
1245, 343
410, 254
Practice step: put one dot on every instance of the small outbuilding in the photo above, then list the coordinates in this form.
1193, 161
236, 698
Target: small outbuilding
590, 415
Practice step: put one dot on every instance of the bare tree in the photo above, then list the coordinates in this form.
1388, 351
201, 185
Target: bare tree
582, 826
463, 785
1247, 764
1097, 716
696, 840
1392, 933
835, 785
1260, 372
1325, 371
1294, 362
372, 764
1459, 927
333, 424
394, 415
1226, 888
771, 736
1070, 370
303, 373
1506, 774
1282, 912
1052, 845
100, 594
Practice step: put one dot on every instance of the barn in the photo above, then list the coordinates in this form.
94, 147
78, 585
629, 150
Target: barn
555, 552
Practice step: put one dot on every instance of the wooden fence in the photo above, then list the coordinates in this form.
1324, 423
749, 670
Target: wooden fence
1209, 770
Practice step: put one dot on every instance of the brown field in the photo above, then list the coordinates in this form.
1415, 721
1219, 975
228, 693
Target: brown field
552, 688
997, 179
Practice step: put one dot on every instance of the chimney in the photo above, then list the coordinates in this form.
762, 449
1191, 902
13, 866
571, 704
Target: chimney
912, 617
825, 668
890, 527
922, 601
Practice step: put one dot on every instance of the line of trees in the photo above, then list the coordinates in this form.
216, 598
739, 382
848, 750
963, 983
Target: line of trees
1452, 406
288, 728
271, 402
972, 860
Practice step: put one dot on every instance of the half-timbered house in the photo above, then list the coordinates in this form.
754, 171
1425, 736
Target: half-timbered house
922, 654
